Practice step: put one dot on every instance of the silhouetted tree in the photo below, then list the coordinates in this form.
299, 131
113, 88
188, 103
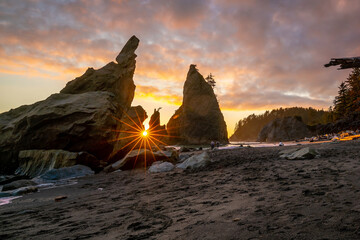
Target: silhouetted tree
341, 101
353, 98
348, 99
210, 80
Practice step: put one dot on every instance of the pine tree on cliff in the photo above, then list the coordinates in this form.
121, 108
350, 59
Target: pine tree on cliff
348, 99
341, 101
353, 82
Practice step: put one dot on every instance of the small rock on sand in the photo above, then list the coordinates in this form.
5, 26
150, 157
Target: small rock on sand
160, 166
299, 154
196, 161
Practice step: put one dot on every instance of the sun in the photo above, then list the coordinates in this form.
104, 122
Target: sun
140, 137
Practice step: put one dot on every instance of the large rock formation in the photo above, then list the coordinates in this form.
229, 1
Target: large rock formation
199, 119
84, 116
284, 129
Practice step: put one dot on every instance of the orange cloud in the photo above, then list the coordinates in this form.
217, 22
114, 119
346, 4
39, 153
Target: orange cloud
143, 92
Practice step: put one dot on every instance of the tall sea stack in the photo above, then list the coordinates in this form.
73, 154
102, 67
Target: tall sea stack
199, 119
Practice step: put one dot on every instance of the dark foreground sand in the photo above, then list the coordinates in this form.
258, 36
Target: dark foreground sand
248, 193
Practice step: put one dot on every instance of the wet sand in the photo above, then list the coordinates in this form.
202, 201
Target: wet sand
247, 193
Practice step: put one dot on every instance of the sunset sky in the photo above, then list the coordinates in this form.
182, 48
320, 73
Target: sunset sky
264, 54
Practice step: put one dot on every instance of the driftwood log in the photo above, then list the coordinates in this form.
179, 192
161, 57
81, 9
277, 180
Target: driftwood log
344, 63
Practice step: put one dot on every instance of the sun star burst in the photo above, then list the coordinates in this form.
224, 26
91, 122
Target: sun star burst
140, 137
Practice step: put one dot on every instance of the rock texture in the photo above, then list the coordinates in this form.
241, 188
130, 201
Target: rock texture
114, 78
33, 163
199, 119
82, 117
284, 129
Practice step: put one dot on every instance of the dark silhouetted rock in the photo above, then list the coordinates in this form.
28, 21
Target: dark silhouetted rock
155, 119
284, 129
156, 130
199, 119
82, 117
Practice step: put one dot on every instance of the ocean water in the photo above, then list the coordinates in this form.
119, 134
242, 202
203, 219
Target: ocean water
258, 144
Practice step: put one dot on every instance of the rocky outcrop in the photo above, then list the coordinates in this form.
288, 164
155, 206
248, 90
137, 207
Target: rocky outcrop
114, 78
82, 117
199, 119
284, 129
156, 130
33, 163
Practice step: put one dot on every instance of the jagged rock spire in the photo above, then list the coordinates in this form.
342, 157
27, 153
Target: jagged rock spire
128, 51
199, 119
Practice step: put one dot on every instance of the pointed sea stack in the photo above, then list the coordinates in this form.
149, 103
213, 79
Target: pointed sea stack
83, 117
156, 129
199, 119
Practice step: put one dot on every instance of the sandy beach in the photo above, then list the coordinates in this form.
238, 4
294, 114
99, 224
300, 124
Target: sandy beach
247, 193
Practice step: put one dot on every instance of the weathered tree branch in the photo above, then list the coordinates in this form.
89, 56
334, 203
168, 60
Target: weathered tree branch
344, 63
